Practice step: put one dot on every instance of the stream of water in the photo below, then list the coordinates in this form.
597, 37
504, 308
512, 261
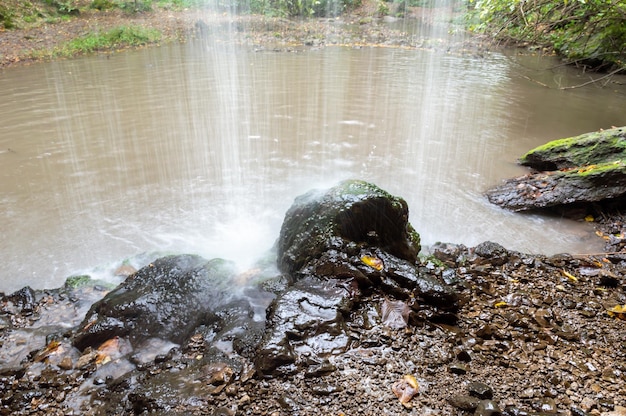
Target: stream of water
201, 149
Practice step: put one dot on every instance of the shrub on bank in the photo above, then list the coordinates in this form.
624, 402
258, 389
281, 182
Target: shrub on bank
588, 32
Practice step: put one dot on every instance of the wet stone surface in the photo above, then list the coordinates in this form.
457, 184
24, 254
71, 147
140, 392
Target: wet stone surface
533, 335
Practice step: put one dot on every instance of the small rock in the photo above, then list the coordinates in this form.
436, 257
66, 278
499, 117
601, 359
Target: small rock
245, 399
514, 411
546, 405
288, 404
587, 404
66, 363
480, 390
487, 408
464, 402
324, 389
457, 368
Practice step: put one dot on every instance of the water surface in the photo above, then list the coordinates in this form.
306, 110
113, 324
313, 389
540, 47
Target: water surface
202, 149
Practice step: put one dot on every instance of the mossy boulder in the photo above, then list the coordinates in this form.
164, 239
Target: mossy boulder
593, 148
351, 214
582, 169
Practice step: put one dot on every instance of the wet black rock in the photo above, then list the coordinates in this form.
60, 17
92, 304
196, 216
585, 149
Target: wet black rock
336, 246
550, 189
354, 212
494, 252
167, 299
23, 300
308, 319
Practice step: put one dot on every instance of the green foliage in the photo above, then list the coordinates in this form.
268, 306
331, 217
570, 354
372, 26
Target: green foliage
63, 6
117, 38
102, 4
592, 32
6, 17
178, 4
136, 6
302, 8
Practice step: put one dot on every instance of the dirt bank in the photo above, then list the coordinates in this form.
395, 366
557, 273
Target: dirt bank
359, 28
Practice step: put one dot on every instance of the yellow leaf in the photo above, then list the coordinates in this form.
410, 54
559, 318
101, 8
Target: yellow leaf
617, 311
373, 262
102, 359
500, 304
52, 348
569, 275
586, 168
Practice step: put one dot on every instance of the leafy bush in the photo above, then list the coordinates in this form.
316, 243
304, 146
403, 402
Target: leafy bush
102, 4
592, 32
6, 18
63, 6
302, 8
136, 6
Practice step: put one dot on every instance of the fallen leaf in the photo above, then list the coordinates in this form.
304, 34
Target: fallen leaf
395, 314
405, 389
373, 262
617, 311
51, 348
569, 275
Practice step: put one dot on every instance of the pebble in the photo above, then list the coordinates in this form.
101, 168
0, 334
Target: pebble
463, 402
457, 368
547, 405
487, 408
480, 390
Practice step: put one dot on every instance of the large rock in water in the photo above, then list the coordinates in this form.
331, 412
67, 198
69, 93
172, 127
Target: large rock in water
353, 211
587, 168
337, 245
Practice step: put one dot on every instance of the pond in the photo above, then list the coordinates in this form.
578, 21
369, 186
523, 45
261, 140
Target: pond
201, 148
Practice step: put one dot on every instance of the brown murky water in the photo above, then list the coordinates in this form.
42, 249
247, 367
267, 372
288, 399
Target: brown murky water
201, 149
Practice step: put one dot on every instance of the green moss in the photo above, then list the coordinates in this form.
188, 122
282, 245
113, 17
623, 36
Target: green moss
591, 148
414, 238
434, 260
74, 282
84, 280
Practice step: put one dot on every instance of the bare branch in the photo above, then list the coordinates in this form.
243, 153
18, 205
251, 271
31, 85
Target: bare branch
593, 80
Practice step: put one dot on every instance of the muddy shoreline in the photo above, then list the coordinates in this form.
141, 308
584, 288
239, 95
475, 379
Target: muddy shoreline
361, 28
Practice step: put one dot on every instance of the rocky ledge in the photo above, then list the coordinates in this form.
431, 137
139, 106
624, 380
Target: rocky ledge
351, 321
583, 169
